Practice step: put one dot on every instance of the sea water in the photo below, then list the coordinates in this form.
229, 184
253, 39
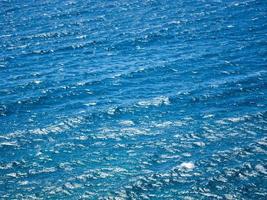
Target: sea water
133, 99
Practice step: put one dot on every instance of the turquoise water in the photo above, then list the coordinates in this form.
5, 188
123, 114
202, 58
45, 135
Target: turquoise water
133, 99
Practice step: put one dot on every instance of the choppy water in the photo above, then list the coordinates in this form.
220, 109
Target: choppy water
133, 99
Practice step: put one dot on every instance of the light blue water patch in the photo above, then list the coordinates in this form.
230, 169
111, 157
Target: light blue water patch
133, 99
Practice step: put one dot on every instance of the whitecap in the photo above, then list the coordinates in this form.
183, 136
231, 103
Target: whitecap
187, 165
178, 123
200, 144
157, 101
126, 122
111, 110
23, 182
60, 127
134, 131
163, 124
90, 104
236, 119
37, 82
260, 168
13, 175
72, 185
11, 144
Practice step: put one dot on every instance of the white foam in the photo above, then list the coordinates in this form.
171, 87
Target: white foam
200, 144
236, 119
111, 110
37, 81
155, 101
164, 124
23, 182
72, 185
81, 83
261, 168
13, 175
90, 104
13, 144
187, 165
81, 36
127, 122
60, 127
133, 131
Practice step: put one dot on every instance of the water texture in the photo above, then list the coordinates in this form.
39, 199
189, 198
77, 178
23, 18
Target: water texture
133, 99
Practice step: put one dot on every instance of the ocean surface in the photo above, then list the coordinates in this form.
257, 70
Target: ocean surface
133, 99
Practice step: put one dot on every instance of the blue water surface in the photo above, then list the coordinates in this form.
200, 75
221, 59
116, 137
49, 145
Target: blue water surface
133, 99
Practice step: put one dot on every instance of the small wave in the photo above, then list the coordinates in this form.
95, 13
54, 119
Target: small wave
127, 123
60, 127
187, 165
157, 101
9, 144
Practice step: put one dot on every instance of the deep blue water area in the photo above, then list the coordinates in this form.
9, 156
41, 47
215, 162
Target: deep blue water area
133, 99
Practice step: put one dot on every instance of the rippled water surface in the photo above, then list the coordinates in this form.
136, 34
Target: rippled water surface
133, 99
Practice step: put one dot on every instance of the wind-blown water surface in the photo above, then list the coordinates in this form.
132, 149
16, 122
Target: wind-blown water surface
133, 99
